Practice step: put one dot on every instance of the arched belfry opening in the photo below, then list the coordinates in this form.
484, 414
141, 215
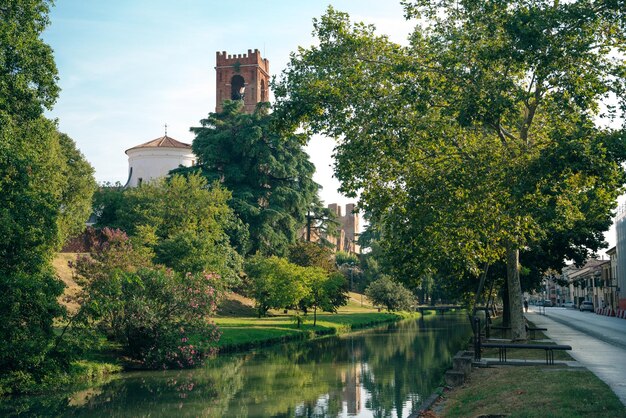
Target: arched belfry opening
237, 87
242, 77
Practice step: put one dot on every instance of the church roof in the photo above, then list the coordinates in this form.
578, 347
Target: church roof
162, 142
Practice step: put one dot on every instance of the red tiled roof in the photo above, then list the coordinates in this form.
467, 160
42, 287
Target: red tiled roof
163, 142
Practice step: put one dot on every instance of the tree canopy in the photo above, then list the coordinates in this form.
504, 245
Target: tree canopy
278, 284
479, 139
77, 190
28, 74
311, 254
266, 169
182, 221
150, 311
45, 192
390, 294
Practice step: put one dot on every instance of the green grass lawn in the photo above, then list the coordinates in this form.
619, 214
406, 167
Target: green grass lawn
246, 332
532, 391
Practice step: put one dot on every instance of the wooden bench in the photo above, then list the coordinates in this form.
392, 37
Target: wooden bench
503, 347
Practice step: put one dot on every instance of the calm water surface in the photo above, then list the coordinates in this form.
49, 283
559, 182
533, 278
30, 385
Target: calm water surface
383, 372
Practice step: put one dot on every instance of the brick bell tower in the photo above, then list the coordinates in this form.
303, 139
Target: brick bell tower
240, 76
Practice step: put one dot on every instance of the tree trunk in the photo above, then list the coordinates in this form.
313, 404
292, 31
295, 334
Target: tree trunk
479, 292
518, 328
506, 307
314, 315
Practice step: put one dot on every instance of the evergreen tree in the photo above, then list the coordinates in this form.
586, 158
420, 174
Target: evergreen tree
267, 171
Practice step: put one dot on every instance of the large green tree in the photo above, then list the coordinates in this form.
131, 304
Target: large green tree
181, 220
276, 283
45, 189
479, 139
266, 169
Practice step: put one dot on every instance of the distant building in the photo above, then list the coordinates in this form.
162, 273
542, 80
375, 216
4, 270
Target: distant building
238, 77
588, 282
347, 233
154, 159
346, 239
620, 256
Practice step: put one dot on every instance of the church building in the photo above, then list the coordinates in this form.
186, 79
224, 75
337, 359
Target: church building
154, 159
238, 77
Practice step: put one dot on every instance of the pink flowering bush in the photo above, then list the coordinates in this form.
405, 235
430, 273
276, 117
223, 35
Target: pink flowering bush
169, 318
160, 317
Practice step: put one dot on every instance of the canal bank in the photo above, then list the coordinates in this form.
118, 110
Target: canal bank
241, 334
530, 388
384, 371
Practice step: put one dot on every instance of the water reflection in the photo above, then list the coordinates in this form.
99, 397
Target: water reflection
384, 372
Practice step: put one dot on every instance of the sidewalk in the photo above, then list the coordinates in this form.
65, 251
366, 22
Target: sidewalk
605, 360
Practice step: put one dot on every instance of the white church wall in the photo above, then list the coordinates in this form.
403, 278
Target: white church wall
146, 164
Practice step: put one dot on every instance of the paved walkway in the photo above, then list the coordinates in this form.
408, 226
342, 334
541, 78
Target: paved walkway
597, 342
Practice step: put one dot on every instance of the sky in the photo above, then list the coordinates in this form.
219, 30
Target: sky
128, 67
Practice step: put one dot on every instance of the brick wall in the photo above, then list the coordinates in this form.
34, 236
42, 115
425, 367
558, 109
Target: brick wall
255, 71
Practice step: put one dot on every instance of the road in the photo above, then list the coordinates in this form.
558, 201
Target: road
598, 342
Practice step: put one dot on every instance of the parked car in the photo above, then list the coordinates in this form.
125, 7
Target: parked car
569, 305
547, 302
586, 306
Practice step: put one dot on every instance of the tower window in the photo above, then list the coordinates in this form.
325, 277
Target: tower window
237, 87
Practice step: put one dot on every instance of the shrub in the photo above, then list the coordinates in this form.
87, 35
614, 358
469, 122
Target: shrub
160, 317
392, 295
276, 283
27, 341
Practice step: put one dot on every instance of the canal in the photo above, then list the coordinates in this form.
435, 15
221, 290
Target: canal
381, 372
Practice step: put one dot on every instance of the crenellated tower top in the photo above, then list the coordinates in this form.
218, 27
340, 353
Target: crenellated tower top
242, 77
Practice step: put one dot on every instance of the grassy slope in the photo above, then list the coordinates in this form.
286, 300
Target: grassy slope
60, 264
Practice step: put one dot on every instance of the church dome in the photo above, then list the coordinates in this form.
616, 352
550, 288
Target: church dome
156, 158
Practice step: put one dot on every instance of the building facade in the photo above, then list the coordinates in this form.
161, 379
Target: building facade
592, 282
620, 256
349, 224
